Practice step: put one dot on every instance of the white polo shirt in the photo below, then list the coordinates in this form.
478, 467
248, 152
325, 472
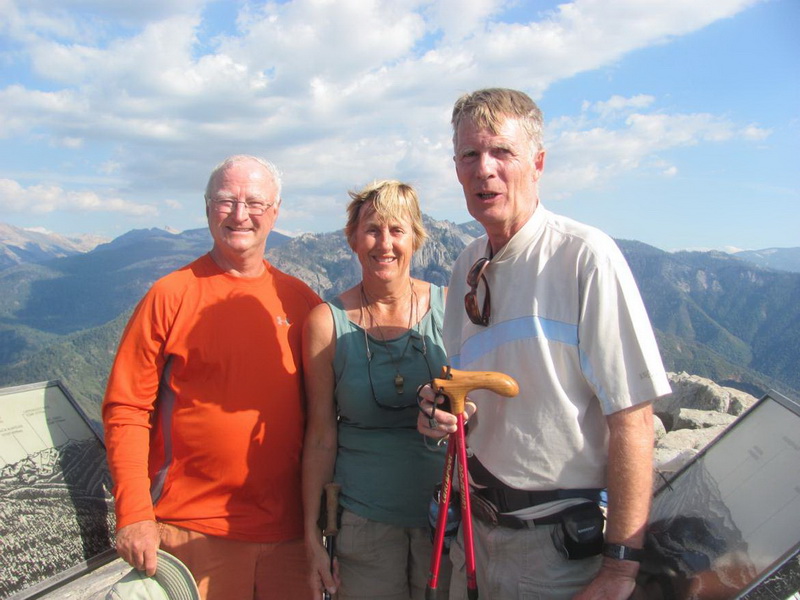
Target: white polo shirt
568, 323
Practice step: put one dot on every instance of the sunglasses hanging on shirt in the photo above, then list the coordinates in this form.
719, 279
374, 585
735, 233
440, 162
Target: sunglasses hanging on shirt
474, 277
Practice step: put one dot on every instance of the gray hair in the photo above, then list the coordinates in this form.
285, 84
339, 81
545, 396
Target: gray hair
238, 158
489, 108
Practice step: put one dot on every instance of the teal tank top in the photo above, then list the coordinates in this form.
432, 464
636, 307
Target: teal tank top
386, 472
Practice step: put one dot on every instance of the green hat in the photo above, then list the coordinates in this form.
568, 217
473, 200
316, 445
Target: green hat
172, 581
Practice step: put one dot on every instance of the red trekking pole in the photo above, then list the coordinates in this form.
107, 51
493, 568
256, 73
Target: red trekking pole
455, 385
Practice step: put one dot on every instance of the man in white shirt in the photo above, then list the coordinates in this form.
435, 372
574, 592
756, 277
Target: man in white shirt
566, 320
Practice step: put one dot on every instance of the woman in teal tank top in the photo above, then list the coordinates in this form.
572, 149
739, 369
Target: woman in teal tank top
364, 355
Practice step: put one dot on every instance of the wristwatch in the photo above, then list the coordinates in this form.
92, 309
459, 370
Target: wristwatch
620, 552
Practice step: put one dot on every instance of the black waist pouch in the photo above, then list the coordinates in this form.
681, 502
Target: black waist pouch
582, 530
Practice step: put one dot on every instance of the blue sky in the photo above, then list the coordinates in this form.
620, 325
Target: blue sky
672, 122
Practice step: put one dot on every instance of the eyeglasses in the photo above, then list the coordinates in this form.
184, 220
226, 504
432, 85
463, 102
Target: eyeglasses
479, 317
398, 385
225, 206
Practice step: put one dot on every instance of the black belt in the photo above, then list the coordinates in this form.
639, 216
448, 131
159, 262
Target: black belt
507, 499
510, 500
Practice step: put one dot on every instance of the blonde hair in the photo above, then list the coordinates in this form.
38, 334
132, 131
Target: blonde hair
391, 200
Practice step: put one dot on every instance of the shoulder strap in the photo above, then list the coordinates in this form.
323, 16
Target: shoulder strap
340, 321
437, 307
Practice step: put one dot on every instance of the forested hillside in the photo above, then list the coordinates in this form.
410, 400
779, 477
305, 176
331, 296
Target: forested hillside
715, 316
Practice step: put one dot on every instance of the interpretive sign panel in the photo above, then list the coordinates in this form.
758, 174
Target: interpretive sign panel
729, 519
56, 510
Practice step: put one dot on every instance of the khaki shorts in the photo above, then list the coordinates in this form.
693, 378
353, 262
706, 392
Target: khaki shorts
521, 564
231, 569
385, 562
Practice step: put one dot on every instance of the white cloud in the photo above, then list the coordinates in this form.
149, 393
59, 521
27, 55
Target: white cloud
109, 167
671, 171
661, 130
68, 142
143, 64
329, 65
617, 104
23, 110
755, 133
587, 151
334, 42
87, 19
43, 199
584, 35
38, 230
334, 91
458, 19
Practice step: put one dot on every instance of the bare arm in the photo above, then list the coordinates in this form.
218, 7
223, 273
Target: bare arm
630, 487
319, 448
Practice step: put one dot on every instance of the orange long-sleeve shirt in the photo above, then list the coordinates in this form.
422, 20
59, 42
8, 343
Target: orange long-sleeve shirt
204, 409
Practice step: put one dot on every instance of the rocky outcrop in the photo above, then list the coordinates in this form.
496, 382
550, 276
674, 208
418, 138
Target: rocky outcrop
697, 411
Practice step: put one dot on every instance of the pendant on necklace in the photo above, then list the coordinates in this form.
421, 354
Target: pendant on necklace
398, 384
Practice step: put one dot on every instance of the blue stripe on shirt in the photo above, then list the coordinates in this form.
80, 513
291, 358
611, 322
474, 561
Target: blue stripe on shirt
489, 340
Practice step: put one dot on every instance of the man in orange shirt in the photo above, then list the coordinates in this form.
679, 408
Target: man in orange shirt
204, 410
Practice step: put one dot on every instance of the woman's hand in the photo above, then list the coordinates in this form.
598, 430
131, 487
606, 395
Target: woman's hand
439, 423
321, 577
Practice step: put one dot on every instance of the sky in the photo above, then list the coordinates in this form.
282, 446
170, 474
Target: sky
671, 122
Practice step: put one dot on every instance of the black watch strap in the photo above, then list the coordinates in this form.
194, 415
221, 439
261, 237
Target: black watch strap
620, 552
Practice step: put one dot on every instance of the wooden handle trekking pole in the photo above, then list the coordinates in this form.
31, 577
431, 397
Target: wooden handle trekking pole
455, 385
331, 523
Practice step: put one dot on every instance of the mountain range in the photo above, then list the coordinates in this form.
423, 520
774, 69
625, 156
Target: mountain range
716, 315
19, 246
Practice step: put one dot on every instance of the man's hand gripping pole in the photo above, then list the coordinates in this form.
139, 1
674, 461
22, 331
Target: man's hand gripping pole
455, 385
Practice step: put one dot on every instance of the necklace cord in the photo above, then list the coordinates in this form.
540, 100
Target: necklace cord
399, 380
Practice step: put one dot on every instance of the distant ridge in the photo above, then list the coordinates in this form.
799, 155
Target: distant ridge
715, 315
18, 246
783, 259
63, 295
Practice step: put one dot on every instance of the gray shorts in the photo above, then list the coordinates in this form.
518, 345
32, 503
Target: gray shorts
385, 562
522, 564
